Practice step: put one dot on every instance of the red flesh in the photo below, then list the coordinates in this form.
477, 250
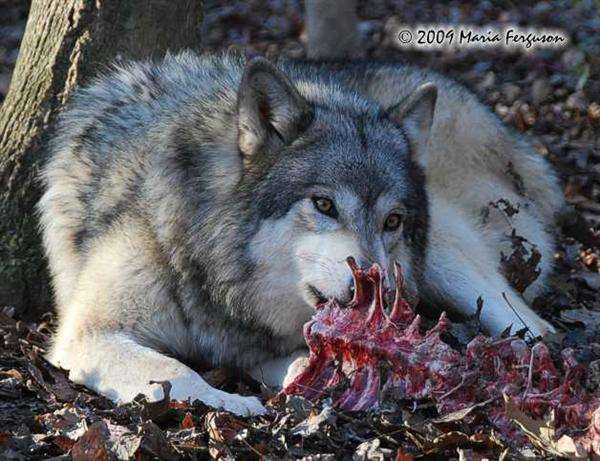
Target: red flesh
358, 352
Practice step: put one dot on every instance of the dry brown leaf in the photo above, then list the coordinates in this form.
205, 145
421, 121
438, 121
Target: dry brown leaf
313, 423
459, 415
67, 421
222, 427
187, 422
155, 410
63, 443
154, 442
542, 433
93, 445
402, 455
371, 450
456, 439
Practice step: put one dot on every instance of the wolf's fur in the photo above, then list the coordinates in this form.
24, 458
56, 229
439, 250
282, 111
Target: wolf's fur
473, 160
179, 227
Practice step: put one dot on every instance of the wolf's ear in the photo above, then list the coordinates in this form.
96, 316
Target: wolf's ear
415, 114
270, 109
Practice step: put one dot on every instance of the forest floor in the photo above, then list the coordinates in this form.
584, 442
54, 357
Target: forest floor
551, 95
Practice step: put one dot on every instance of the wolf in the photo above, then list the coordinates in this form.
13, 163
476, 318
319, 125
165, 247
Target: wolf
196, 210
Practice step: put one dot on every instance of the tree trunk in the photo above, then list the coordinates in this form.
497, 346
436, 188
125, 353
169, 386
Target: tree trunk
66, 43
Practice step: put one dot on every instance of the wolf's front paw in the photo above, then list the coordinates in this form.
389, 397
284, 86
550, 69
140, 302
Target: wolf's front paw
191, 386
240, 405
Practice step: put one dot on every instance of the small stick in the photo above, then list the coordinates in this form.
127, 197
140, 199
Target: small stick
517, 314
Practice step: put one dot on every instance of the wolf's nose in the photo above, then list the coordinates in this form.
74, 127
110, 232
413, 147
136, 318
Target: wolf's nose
351, 289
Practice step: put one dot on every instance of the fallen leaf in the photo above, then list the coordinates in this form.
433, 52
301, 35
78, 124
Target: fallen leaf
154, 442
542, 433
63, 443
313, 423
371, 450
154, 410
222, 427
456, 439
187, 422
93, 445
222, 430
123, 443
402, 455
67, 422
59, 386
459, 415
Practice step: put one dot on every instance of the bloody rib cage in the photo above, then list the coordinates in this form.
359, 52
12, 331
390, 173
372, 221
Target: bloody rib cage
359, 353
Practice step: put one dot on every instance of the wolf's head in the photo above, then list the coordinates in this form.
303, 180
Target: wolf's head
330, 176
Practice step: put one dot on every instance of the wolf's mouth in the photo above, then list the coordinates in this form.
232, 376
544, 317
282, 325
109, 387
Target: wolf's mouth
318, 297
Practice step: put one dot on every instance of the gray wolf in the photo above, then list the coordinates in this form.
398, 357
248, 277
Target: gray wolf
195, 211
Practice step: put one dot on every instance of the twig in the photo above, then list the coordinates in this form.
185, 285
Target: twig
517, 314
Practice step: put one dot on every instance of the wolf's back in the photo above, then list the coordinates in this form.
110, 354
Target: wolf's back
104, 146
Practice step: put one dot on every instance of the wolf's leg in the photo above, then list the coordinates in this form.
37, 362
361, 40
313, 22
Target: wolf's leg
280, 371
461, 267
116, 366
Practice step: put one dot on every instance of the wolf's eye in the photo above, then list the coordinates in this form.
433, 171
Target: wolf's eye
392, 222
325, 206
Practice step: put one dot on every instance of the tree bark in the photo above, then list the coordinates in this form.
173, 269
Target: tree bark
66, 43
